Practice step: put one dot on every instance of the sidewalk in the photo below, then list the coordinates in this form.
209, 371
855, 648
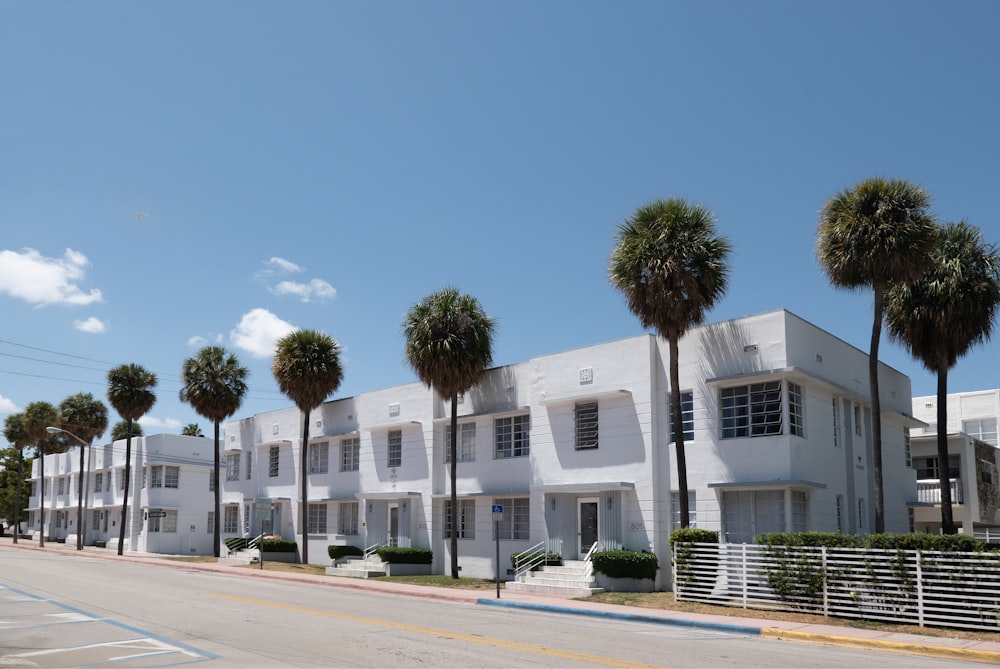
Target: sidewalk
961, 649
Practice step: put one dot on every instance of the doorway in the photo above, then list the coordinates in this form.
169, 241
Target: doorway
587, 524
393, 538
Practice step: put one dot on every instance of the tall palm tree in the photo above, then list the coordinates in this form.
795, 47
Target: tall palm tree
943, 314
87, 418
878, 233
449, 344
192, 430
18, 437
36, 417
123, 430
214, 384
130, 391
670, 264
308, 370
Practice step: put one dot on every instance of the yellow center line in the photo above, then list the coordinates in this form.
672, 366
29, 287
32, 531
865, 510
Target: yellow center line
458, 636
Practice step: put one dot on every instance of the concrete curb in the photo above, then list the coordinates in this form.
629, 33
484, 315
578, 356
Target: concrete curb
946, 652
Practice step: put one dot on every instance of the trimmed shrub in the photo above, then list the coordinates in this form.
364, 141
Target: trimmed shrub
693, 535
626, 564
810, 539
947, 543
280, 546
553, 559
400, 555
337, 552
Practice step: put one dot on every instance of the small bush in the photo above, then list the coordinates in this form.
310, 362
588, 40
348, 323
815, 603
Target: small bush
693, 535
947, 543
337, 552
400, 555
810, 539
550, 558
626, 564
280, 546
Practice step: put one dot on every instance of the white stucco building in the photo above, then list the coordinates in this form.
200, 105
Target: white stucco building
577, 448
170, 504
973, 462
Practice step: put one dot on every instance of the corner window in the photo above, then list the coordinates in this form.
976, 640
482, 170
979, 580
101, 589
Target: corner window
511, 435
585, 416
466, 443
675, 510
983, 429
350, 451
907, 455
796, 411
232, 466
230, 519
319, 458
156, 476
687, 416
752, 410
171, 477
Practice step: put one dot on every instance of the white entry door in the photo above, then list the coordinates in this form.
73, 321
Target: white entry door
393, 524
587, 523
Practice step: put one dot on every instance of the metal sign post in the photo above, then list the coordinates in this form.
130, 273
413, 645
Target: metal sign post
497, 517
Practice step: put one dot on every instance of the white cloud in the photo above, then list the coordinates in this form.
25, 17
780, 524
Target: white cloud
196, 341
317, 290
257, 332
286, 266
28, 275
91, 325
151, 424
7, 406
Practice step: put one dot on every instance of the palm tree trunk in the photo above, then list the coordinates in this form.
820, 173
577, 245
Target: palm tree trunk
944, 473
303, 482
128, 475
879, 291
675, 407
453, 446
216, 535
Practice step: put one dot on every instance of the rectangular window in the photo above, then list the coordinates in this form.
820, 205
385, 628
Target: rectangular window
121, 479
675, 510
143, 478
61, 482
836, 422
907, 454
466, 443
857, 419
272, 462
232, 466
927, 467
687, 416
317, 519
800, 511
983, 429
211, 481
350, 454
95, 520
514, 523
249, 466
156, 474
466, 519
170, 521
231, 519
171, 477
210, 522
796, 411
511, 436
348, 518
840, 514
585, 417
751, 411
99, 482
395, 450
861, 515
749, 513
319, 458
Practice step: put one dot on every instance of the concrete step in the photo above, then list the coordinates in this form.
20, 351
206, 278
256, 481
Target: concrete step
571, 590
349, 572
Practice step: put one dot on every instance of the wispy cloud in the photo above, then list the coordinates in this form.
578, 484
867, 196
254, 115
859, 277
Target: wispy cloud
7, 406
258, 331
150, 424
92, 325
28, 275
316, 290
197, 341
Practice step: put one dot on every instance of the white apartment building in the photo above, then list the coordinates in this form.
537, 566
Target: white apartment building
973, 463
577, 449
170, 495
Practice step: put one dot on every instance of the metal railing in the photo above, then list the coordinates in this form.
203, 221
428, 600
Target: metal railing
528, 560
588, 563
929, 491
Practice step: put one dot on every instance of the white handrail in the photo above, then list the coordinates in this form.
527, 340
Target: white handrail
589, 566
528, 560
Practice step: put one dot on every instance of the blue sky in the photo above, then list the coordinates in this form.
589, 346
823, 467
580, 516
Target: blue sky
175, 174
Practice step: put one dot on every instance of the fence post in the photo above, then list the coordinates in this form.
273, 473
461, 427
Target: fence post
826, 582
743, 567
920, 588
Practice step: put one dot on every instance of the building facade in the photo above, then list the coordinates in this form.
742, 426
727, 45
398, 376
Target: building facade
170, 495
576, 448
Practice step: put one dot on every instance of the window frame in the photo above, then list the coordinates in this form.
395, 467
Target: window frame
466, 518
394, 449
751, 410
350, 454
687, 416
273, 462
586, 423
232, 466
319, 457
515, 521
316, 518
347, 523
512, 436
466, 445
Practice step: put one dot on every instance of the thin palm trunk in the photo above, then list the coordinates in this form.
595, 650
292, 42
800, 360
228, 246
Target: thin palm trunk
41, 472
944, 471
128, 475
453, 472
303, 482
79, 504
877, 408
17, 493
675, 405
216, 534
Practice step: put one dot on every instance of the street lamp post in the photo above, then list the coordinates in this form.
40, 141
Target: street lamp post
79, 484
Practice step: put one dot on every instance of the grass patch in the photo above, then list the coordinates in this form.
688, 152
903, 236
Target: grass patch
194, 558
440, 581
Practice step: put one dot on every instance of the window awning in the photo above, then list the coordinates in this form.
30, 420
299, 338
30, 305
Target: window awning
399, 425
761, 485
386, 495
578, 396
499, 414
484, 493
598, 486
276, 442
339, 435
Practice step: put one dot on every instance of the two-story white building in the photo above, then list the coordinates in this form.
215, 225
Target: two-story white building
170, 496
577, 449
973, 463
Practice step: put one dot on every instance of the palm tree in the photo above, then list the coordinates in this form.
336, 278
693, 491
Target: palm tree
36, 417
307, 368
192, 430
876, 234
130, 391
122, 430
17, 436
86, 418
449, 344
670, 264
214, 384
943, 314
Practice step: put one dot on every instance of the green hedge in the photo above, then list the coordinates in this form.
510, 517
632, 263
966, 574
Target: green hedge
280, 546
945, 543
337, 552
693, 535
626, 564
810, 539
400, 555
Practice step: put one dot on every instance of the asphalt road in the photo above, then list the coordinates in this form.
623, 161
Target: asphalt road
73, 611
